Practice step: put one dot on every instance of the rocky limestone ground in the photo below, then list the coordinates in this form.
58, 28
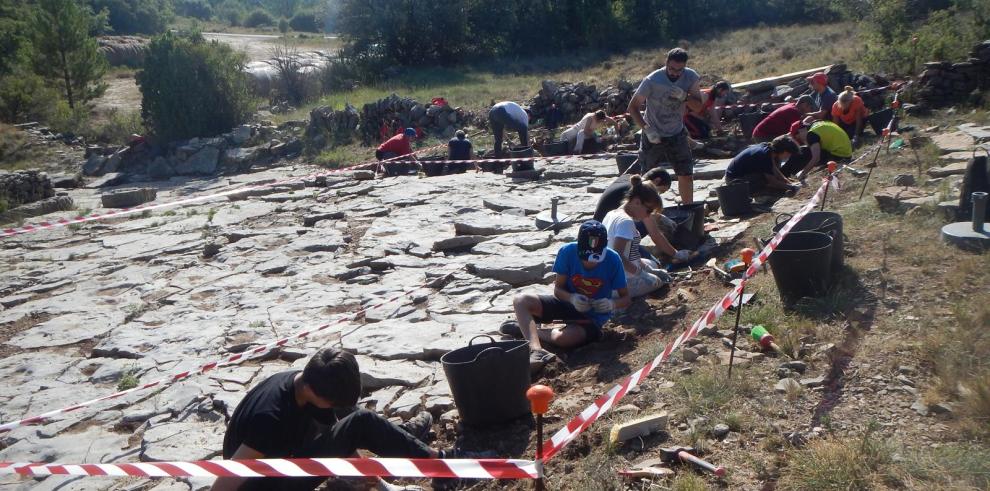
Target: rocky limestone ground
93, 308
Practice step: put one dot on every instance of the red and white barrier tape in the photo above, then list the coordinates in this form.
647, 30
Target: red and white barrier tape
316, 467
62, 222
589, 415
506, 160
230, 360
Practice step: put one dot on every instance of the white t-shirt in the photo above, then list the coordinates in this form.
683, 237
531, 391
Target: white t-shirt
515, 111
621, 226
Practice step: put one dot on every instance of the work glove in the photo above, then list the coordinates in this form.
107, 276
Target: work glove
682, 255
603, 305
652, 134
580, 302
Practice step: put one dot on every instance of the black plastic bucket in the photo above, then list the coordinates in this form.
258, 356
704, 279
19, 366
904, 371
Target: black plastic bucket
825, 222
489, 381
801, 265
432, 168
555, 148
624, 160
690, 220
748, 122
733, 198
520, 153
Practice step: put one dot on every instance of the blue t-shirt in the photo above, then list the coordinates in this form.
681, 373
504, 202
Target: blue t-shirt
824, 100
598, 282
755, 159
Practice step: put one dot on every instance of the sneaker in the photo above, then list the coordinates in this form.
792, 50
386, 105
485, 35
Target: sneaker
538, 359
419, 425
511, 328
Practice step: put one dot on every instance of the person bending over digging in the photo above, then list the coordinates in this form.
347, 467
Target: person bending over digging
759, 165
291, 415
642, 275
587, 274
509, 115
584, 130
821, 142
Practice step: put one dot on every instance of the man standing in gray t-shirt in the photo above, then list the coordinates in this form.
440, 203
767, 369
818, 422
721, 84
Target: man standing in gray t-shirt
665, 92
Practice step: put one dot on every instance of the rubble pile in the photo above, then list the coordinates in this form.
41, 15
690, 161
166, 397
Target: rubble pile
943, 83
123, 50
576, 99
26, 186
394, 113
327, 126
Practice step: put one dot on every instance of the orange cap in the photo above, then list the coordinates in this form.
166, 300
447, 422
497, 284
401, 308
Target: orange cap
539, 398
747, 255
832, 165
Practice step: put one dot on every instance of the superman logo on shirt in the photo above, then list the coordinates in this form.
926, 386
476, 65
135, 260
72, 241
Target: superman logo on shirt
587, 286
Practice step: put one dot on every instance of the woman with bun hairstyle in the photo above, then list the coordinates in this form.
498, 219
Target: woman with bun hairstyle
849, 112
642, 275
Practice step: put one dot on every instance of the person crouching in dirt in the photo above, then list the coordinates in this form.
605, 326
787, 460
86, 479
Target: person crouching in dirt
509, 115
584, 130
821, 142
293, 414
759, 165
398, 146
658, 227
587, 274
642, 275
702, 119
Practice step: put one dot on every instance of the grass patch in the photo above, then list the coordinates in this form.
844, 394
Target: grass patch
129, 380
737, 56
686, 481
709, 390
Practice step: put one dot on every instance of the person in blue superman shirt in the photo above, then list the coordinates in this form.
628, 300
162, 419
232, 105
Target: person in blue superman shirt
587, 274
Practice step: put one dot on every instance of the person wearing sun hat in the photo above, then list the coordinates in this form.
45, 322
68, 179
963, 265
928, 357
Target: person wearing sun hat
587, 274
822, 95
821, 141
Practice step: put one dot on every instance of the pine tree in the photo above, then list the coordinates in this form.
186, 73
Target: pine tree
65, 52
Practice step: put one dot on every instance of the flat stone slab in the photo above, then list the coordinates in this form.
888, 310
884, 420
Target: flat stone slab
979, 133
491, 224
955, 169
396, 339
182, 441
516, 271
892, 199
710, 169
65, 330
956, 141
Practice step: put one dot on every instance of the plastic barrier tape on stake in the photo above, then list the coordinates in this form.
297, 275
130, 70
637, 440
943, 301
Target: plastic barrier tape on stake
62, 222
317, 467
506, 160
230, 360
589, 415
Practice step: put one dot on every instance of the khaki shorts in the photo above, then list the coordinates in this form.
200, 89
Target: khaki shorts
674, 149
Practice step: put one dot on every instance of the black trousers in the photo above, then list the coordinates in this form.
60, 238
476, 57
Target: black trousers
499, 119
797, 162
363, 430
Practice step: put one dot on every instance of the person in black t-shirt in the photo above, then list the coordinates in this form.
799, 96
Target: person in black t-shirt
291, 415
459, 148
760, 165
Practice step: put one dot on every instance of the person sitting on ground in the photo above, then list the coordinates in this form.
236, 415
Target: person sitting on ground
759, 165
583, 130
292, 415
587, 272
704, 118
459, 147
552, 120
780, 120
613, 197
821, 142
822, 95
642, 275
664, 92
850, 113
510, 115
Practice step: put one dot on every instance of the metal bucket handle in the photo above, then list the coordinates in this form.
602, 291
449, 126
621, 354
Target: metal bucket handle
490, 339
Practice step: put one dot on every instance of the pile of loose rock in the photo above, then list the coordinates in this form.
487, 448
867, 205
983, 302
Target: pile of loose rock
327, 126
943, 83
575, 99
26, 186
839, 77
396, 112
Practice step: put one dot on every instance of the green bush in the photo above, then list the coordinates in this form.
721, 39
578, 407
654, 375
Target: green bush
136, 16
230, 12
259, 18
306, 22
283, 26
69, 120
191, 87
117, 129
24, 96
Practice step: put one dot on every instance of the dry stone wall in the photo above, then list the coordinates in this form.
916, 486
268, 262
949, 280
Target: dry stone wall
574, 100
394, 111
944, 83
27, 186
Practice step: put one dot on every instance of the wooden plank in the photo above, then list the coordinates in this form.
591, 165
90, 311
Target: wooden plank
771, 82
639, 427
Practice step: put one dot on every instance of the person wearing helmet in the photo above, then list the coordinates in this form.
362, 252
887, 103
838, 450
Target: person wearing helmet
398, 146
587, 274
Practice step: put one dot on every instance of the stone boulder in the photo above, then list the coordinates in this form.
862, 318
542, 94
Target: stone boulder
516, 271
203, 162
128, 198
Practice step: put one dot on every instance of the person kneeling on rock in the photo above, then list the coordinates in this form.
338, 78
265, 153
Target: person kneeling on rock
587, 274
292, 415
